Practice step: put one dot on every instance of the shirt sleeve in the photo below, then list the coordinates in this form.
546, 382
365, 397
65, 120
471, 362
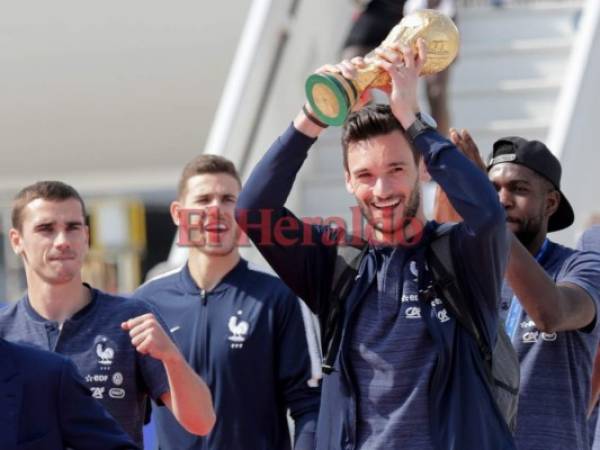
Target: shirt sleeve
301, 253
481, 241
84, 422
583, 270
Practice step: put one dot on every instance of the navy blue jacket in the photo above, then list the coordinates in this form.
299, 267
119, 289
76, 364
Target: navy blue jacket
44, 405
464, 416
247, 341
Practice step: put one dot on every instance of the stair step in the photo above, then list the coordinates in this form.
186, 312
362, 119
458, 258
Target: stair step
481, 111
485, 72
478, 25
509, 87
532, 46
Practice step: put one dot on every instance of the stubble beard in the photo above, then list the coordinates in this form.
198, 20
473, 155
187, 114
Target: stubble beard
409, 213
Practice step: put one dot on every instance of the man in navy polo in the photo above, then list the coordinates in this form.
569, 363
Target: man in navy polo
407, 374
238, 327
549, 301
118, 345
550, 297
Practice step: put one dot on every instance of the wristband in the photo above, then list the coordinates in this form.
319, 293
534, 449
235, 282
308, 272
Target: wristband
312, 118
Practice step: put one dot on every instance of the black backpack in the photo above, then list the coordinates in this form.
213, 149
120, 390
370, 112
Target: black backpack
501, 364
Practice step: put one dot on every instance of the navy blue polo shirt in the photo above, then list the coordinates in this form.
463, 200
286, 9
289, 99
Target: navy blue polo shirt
556, 367
118, 376
247, 340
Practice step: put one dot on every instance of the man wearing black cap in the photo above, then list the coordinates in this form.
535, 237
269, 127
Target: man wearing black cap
549, 298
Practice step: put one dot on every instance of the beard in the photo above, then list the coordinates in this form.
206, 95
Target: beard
414, 201
526, 236
528, 230
411, 207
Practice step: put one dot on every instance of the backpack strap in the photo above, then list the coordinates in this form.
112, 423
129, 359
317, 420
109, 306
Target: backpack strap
347, 261
441, 263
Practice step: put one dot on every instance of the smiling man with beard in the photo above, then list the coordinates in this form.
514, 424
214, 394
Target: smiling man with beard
550, 295
240, 328
407, 374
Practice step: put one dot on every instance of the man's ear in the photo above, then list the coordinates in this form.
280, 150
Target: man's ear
423, 173
174, 209
16, 241
552, 202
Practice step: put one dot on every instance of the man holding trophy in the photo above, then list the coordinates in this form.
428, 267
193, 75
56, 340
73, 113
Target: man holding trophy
406, 373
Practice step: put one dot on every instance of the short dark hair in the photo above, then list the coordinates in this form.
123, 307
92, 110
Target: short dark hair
206, 164
47, 190
370, 122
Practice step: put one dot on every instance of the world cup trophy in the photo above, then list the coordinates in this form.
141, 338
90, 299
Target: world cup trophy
332, 96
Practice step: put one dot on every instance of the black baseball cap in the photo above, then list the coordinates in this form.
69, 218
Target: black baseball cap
536, 156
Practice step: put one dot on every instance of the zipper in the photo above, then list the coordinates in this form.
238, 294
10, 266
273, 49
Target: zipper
203, 328
55, 328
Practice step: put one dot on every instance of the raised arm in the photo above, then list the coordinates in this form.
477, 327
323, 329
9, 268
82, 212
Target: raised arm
566, 304
292, 247
298, 251
552, 306
188, 397
466, 186
443, 211
481, 239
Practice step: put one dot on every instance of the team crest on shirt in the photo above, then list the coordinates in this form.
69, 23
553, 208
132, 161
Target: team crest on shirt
238, 329
104, 351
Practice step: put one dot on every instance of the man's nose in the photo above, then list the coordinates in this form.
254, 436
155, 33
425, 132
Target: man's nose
212, 211
382, 188
61, 241
505, 198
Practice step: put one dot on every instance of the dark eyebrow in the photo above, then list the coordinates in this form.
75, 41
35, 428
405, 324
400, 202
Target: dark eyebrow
360, 171
44, 224
50, 223
390, 165
512, 182
520, 181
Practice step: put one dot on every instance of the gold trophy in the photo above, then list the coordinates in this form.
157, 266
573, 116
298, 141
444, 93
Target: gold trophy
331, 96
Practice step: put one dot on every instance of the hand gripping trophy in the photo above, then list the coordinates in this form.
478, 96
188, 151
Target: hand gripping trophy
331, 96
